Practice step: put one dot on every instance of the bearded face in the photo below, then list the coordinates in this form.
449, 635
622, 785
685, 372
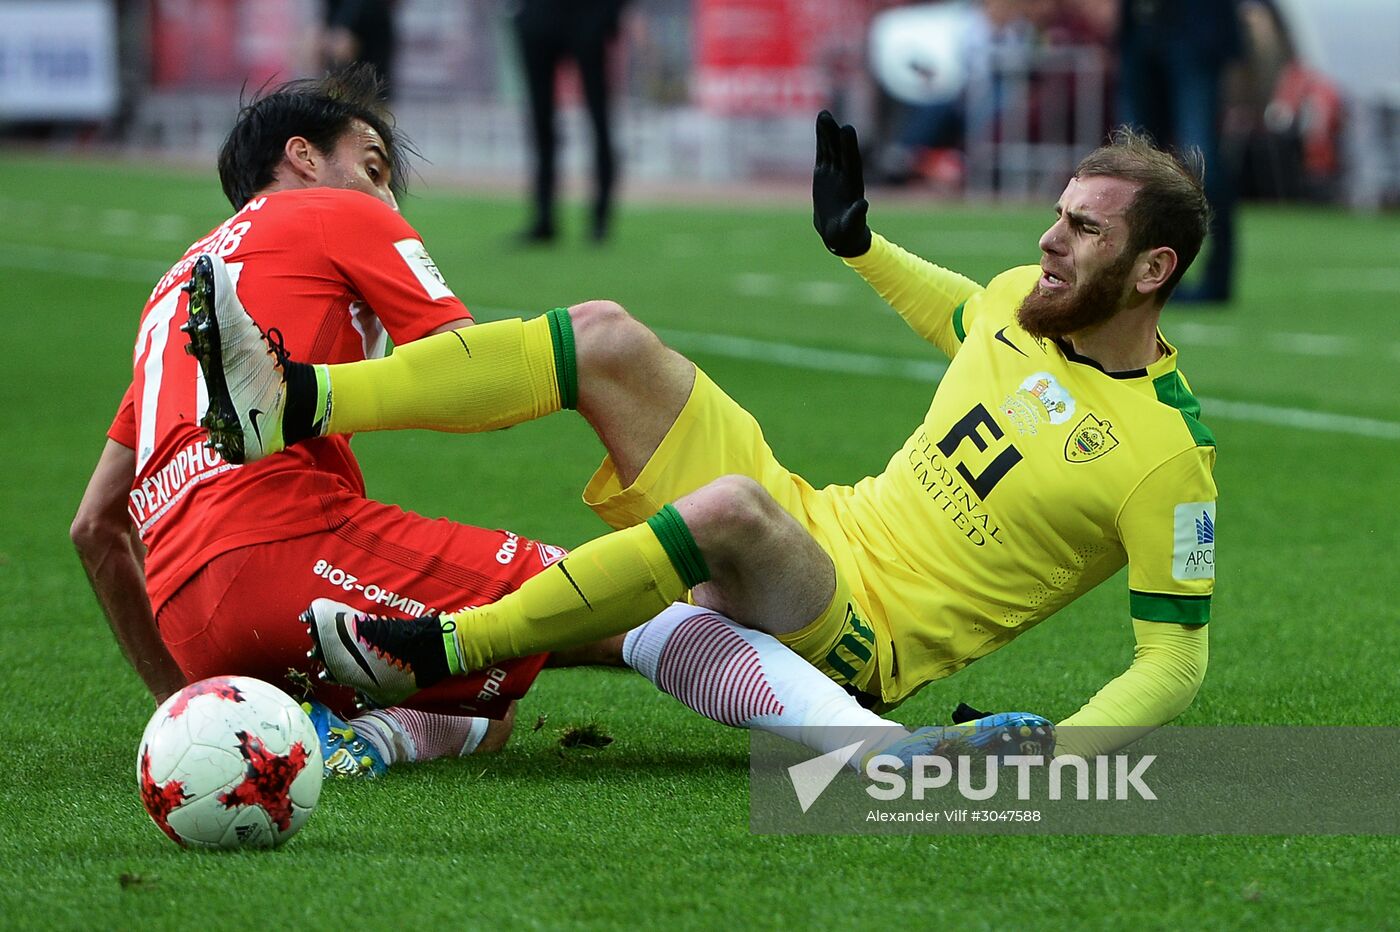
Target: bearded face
1090, 300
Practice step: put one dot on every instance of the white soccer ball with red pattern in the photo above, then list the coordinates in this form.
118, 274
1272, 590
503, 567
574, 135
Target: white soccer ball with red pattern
229, 762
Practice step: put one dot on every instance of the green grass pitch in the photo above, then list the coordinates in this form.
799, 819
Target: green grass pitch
1299, 384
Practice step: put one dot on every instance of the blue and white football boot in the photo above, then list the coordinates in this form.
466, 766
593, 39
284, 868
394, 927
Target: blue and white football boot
1000, 735
344, 753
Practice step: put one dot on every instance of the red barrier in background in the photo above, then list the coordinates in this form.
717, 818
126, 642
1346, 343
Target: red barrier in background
217, 43
759, 57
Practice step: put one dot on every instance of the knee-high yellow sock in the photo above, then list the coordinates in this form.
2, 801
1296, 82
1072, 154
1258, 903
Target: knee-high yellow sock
605, 587
478, 378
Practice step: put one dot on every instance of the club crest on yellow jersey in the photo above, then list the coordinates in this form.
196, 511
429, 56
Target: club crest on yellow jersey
1090, 439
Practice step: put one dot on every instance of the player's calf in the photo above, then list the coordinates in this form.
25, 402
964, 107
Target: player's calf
413, 736
766, 570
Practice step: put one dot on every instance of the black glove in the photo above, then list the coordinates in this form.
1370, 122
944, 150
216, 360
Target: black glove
838, 190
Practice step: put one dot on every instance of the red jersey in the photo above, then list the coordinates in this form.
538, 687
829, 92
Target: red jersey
336, 272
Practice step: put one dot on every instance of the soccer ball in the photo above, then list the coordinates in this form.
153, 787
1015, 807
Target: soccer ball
229, 762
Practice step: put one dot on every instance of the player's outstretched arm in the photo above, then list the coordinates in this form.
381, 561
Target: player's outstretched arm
1169, 665
114, 559
924, 294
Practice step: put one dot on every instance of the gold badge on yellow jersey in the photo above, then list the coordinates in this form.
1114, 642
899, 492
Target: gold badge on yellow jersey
1090, 439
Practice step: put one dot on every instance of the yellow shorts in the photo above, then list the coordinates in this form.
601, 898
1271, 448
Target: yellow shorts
712, 437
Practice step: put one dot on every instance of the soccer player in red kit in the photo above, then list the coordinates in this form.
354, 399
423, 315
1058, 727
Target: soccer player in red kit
233, 553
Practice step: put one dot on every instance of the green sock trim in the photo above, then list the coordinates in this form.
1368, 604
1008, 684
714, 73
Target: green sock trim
321, 414
561, 334
680, 546
454, 653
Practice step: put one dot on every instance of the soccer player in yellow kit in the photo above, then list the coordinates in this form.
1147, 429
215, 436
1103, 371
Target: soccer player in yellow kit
1061, 444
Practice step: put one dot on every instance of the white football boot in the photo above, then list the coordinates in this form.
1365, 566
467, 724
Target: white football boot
384, 659
243, 367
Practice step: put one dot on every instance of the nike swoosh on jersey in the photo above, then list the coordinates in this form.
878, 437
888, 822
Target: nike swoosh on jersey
1001, 335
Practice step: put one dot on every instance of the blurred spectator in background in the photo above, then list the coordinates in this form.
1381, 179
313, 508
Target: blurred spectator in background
1062, 97
977, 31
1173, 59
1083, 22
550, 31
361, 31
1284, 116
970, 62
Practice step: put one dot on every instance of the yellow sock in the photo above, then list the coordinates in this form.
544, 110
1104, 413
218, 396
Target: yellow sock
605, 587
483, 377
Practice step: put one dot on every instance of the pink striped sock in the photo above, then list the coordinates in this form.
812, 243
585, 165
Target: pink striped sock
747, 679
708, 665
419, 736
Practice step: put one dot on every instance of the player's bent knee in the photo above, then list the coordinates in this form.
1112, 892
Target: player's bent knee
732, 511
598, 321
607, 337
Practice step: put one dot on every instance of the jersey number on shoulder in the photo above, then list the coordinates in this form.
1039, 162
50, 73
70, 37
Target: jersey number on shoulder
967, 429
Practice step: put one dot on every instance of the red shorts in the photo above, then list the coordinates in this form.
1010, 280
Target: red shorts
239, 614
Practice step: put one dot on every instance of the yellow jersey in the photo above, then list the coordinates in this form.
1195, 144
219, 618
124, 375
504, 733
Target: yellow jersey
1034, 476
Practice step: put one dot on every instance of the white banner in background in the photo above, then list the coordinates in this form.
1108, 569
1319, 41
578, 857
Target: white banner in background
58, 60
